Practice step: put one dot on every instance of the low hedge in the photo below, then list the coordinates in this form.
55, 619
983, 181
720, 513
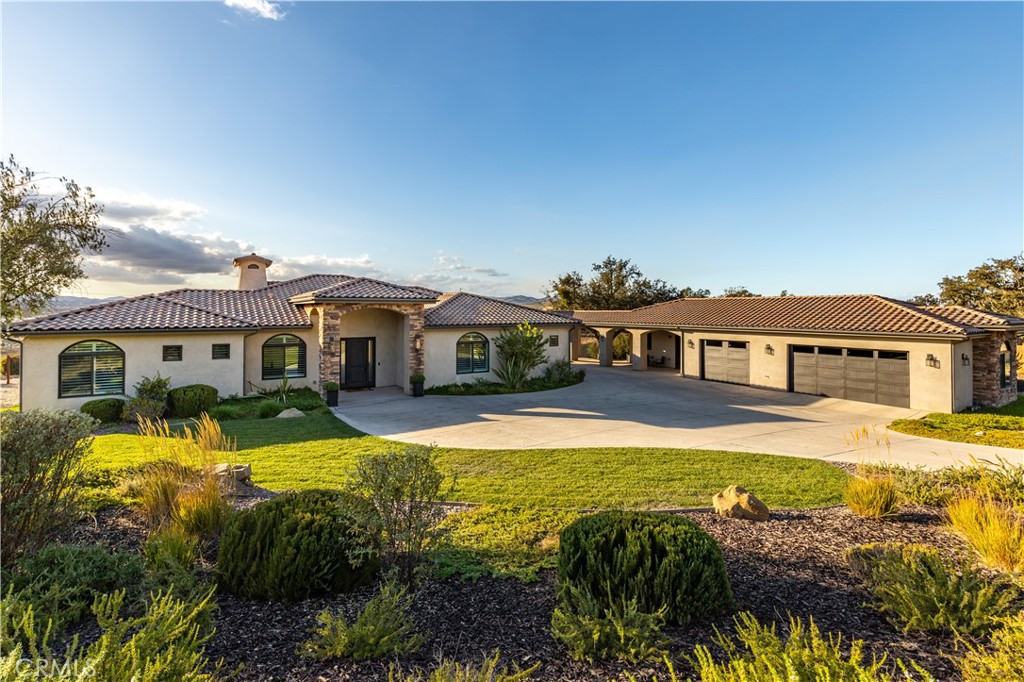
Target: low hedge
659, 560
104, 410
191, 401
300, 545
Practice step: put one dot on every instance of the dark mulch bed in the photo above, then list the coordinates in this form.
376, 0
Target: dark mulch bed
792, 565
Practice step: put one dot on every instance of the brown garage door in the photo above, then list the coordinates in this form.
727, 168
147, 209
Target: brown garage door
726, 361
871, 376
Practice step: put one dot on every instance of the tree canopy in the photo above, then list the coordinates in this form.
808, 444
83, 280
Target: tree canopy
616, 285
997, 285
43, 238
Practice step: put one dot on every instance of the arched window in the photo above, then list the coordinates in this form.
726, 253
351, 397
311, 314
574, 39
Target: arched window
284, 355
471, 354
91, 368
1005, 365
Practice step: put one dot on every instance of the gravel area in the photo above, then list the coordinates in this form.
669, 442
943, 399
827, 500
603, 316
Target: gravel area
791, 565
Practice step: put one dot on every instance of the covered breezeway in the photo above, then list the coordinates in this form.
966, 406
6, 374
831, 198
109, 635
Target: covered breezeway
647, 349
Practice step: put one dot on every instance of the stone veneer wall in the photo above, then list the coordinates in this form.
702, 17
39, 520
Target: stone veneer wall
331, 316
987, 390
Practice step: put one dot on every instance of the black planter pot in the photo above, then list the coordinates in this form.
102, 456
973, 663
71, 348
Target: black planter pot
417, 389
332, 398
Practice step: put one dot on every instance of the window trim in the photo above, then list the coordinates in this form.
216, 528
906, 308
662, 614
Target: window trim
470, 344
171, 347
92, 355
298, 343
213, 351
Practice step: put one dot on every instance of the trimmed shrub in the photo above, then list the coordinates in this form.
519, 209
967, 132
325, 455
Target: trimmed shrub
191, 401
593, 632
923, 591
657, 560
305, 399
1002, 660
873, 496
40, 476
139, 409
993, 530
561, 372
60, 582
299, 545
104, 410
269, 408
804, 655
383, 628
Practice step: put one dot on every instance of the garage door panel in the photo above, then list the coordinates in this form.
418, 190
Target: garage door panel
853, 374
727, 363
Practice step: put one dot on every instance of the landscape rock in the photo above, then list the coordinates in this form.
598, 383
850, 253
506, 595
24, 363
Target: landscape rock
736, 503
291, 412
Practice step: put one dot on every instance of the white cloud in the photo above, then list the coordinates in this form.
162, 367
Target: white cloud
258, 8
122, 209
455, 264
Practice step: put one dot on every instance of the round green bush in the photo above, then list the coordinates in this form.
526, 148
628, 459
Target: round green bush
299, 545
192, 400
269, 408
657, 559
105, 410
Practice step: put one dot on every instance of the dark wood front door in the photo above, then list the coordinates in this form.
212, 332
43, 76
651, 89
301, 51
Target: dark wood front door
358, 363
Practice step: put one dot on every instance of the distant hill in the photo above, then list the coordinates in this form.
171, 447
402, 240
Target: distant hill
62, 303
529, 301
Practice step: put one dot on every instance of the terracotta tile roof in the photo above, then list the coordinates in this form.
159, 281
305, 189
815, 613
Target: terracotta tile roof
260, 306
471, 310
971, 316
364, 287
194, 309
844, 313
142, 313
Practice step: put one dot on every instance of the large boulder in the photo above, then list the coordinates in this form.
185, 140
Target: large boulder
736, 503
291, 413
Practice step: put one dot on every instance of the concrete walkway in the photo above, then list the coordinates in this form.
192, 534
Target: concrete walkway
617, 407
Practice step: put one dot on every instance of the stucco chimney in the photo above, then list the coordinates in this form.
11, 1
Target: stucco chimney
252, 271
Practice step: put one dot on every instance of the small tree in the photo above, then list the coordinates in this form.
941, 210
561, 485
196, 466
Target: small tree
404, 485
520, 351
43, 238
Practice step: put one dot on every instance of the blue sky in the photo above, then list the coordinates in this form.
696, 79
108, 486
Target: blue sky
818, 148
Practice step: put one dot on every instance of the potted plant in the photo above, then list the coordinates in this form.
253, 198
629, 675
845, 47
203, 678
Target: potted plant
417, 384
331, 389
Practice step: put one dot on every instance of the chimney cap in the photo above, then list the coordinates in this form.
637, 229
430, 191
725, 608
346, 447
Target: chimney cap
252, 257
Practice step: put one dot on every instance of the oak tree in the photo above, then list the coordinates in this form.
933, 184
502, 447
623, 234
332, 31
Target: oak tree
43, 238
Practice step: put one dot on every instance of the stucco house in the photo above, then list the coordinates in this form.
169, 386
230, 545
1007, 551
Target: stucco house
356, 331
856, 347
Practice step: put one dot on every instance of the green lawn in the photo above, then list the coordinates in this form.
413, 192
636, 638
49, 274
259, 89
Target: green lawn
319, 450
1002, 426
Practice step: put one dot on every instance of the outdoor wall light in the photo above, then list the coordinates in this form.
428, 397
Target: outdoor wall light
932, 361
768, 350
689, 344
419, 343
965, 359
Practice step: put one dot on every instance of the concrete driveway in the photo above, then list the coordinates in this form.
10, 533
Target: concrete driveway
617, 407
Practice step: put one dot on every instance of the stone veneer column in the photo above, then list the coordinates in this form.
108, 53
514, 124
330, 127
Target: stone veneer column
414, 314
985, 370
330, 359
